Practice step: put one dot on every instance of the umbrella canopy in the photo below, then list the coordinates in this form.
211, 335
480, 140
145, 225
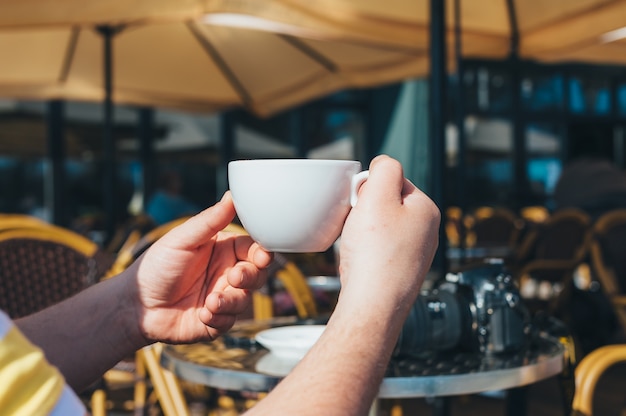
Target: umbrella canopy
555, 30
188, 65
96, 12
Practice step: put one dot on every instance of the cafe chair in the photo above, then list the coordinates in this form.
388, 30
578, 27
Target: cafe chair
41, 265
490, 232
589, 372
532, 216
608, 260
492, 227
549, 255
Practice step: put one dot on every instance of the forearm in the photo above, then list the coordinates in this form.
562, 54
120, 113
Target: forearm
87, 334
341, 374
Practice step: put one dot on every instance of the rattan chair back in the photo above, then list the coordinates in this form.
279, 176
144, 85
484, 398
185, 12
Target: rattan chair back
492, 227
42, 266
608, 259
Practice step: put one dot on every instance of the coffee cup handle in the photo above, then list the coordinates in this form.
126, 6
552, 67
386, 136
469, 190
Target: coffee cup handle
357, 181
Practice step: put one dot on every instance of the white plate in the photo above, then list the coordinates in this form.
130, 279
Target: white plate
290, 341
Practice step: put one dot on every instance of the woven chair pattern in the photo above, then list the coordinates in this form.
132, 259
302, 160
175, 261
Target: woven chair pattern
35, 274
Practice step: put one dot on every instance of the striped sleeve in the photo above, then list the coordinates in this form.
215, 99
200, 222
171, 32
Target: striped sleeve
30, 385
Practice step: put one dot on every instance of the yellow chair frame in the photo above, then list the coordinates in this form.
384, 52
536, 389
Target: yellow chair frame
588, 373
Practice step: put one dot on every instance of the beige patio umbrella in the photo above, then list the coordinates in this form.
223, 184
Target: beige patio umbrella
31, 13
189, 65
550, 31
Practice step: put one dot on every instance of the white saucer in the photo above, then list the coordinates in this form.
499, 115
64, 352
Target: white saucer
275, 366
290, 341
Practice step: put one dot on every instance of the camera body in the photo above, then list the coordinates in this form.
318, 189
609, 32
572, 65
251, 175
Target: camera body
478, 309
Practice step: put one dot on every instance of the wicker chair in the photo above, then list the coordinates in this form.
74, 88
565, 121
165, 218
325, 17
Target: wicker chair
608, 260
548, 256
489, 226
41, 265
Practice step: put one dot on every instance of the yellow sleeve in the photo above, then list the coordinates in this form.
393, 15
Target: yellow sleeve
30, 385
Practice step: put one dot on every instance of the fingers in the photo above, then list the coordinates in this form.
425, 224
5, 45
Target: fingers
247, 276
386, 180
230, 302
243, 279
221, 309
247, 250
217, 323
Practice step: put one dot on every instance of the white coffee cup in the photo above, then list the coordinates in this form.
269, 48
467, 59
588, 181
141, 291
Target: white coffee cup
294, 205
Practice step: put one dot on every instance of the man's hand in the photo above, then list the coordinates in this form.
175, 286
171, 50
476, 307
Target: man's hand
194, 281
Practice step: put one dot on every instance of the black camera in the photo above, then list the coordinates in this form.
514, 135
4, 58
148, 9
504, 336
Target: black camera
478, 309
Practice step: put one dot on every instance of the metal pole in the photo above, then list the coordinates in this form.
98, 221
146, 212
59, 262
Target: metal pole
460, 122
108, 143
438, 90
520, 184
146, 152
55, 192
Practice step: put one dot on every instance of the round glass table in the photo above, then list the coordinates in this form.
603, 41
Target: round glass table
237, 362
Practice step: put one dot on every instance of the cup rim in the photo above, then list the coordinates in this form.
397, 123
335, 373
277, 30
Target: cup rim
295, 161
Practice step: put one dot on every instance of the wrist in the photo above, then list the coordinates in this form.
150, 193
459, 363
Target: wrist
128, 310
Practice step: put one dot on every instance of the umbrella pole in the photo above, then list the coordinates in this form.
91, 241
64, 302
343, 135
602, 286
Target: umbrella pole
438, 85
55, 179
146, 137
460, 122
520, 184
108, 143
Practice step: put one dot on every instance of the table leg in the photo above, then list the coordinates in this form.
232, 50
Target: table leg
517, 401
441, 406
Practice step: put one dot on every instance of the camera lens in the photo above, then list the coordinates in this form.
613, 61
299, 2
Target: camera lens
435, 322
